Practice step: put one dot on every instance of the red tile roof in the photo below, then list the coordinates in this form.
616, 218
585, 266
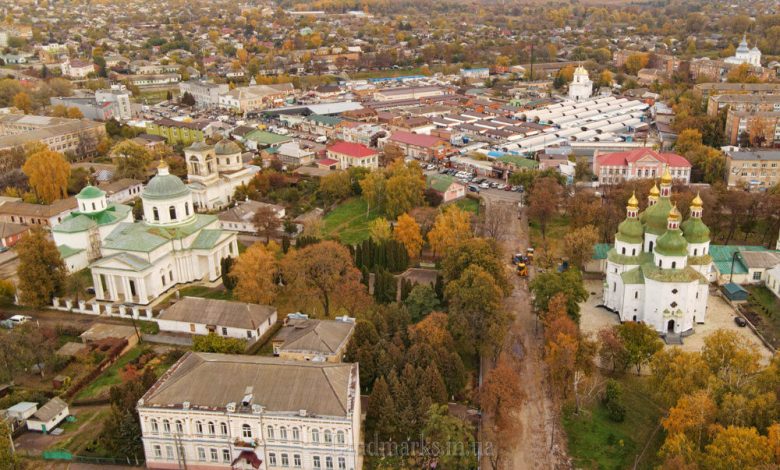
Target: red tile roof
624, 158
419, 140
353, 150
327, 161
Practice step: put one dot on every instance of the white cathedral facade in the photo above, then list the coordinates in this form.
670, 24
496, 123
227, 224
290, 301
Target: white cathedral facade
658, 269
745, 55
581, 86
136, 262
214, 173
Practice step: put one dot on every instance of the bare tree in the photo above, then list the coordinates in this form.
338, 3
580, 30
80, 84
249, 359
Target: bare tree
494, 220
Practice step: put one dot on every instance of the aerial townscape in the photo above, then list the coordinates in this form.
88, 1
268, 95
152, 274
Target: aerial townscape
389, 234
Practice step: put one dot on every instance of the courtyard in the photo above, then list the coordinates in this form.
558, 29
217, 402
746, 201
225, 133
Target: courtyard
720, 315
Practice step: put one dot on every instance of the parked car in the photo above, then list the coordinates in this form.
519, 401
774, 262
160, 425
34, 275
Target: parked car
484, 184
507, 188
500, 186
741, 322
493, 184
19, 319
473, 188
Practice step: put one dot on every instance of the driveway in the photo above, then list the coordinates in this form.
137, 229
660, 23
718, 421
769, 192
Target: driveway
720, 315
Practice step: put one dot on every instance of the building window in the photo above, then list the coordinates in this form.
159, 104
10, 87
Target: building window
329, 463
272, 459
342, 463
153, 424
198, 427
757, 276
225, 455
156, 213
614, 287
297, 461
623, 250
172, 212
316, 461
246, 430
157, 451
166, 426
283, 433
179, 427
187, 208
285, 460
169, 452
328, 437
212, 429
636, 294
223, 429
269, 431
214, 455
201, 454
695, 252
224, 331
315, 435
674, 264
296, 434
340, 437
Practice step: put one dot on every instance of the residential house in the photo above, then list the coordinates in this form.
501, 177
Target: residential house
449, 188
206, 94
47, 417
199, 316
307, 339
773, 280
47, 215
294, 153
122, 190
761, 127
255, 97
349, 154
237, 411
240, 218
79, 137
78, 69
11, 233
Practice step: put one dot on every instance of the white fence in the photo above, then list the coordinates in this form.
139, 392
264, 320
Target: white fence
111, 310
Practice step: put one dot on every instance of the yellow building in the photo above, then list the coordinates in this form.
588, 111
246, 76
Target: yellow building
178, 132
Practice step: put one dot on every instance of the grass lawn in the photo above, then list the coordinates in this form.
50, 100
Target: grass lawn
206, 293
109, 376
766, 309
467, 204
348, 221
597, 442
556, 229
85, 429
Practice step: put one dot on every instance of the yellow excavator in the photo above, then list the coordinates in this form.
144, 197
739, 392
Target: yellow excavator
522, 270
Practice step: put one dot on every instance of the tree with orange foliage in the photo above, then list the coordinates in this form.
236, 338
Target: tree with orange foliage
500, 398
407, 231
48, 173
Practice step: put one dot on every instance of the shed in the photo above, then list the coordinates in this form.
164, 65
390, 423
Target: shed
22, 410
735, 292
48, 416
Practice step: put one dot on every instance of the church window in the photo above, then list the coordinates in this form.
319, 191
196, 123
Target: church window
651, 246
695, 252
673, 304
614, 287
187, 208
172, 212
163, 279
636, 294
93, 206
633, 251
697, 295
674, 264
156, 213
674, 291
623, 252
660, 263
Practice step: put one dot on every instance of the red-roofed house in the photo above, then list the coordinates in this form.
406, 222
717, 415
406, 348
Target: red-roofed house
351, 154
419, 146
612, 168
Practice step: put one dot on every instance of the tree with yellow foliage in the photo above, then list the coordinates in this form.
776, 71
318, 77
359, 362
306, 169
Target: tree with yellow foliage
379, 230
256, 271
635, 62
452, 226
48, 173
407, 231
22, 102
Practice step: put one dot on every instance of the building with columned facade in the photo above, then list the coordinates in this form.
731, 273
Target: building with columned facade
214, 172
139, 261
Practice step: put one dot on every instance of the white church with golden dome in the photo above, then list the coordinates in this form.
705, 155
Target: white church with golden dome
658, 270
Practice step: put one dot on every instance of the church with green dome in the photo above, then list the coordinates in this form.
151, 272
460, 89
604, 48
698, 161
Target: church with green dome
658, 270
138, 261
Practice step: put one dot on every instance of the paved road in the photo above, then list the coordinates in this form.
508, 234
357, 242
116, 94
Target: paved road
524, 346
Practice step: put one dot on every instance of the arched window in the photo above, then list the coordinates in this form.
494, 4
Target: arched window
296, 434
660, 263
328, 437
156, 213
636, 294
695, 251
93, 206
674, 264
283, 433
212, 429
153, 424
623, 250
340, 437
269, 431
187, 208
651, 246
166, 426
315, 435
246, 430
614, 287
198, 427
172, 212
223, 429
179, 427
